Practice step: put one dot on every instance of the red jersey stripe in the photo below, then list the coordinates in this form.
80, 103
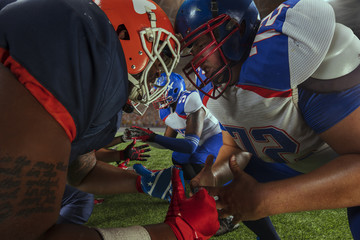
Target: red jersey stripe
46, 99
266, 93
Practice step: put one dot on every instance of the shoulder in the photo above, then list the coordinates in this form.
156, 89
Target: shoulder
164, 113
296, 36
192, 102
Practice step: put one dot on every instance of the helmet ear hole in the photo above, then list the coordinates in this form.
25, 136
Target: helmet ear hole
122, 32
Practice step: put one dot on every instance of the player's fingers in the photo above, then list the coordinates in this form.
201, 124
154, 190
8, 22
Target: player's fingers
234, 167
131, 145
243, 159
143, 150
143, 146
146, 150
144, 155
195, 182
195, 185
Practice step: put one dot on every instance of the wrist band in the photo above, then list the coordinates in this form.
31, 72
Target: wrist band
128, 233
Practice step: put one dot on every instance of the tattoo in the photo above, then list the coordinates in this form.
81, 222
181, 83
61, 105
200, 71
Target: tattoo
28, 187
81, 167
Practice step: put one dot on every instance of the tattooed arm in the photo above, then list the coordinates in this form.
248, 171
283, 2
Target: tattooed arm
34, 152
90, 175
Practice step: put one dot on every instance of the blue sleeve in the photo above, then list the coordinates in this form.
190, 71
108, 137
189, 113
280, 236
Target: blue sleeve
222, 127
321, 111
184, 145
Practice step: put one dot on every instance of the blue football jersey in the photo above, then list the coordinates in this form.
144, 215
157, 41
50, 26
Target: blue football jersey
70, 59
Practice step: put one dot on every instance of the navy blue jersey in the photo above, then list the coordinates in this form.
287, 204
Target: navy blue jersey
67, 54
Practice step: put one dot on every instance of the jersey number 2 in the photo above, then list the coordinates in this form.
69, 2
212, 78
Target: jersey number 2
276, 144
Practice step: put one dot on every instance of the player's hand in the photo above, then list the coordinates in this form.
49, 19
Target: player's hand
191, 218
205, 176
155, 183
143, 134
136, 153
242, 198
209, 176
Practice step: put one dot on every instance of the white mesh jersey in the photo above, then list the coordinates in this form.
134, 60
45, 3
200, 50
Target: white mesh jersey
261, 111
189, 102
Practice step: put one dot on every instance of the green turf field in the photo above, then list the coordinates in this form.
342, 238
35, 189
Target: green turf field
141, 209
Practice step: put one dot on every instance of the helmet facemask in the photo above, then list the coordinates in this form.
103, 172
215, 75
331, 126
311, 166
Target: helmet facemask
165, 53
163, 101
222, 76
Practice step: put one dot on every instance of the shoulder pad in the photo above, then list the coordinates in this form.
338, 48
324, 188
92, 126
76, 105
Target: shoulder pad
342, 56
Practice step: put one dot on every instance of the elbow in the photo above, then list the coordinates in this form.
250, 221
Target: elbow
192, 149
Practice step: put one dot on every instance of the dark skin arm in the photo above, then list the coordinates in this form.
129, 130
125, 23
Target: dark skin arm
34, 155
90, 175
33, 161
169, 132
194, 124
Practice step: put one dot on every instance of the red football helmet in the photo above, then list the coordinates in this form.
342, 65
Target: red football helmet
149, 40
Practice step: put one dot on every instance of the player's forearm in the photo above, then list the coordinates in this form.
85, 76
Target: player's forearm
184, 145
107, 179
334, 185
108, 155
71, 232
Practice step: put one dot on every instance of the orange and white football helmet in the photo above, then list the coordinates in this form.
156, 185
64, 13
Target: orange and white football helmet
150, 40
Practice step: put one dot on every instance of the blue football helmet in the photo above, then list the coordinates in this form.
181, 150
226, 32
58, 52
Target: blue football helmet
231, 25
172, 93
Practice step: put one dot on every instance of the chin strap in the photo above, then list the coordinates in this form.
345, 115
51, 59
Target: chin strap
135, 89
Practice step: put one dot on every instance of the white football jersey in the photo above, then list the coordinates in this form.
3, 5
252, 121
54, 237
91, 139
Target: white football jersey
189, 102
261, 112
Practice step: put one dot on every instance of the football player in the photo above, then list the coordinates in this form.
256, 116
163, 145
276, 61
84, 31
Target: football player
67, 69
286, 89
183, 113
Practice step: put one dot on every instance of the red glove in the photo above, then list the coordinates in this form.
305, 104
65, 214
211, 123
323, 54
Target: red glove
143, 134
192, 218
135, 153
